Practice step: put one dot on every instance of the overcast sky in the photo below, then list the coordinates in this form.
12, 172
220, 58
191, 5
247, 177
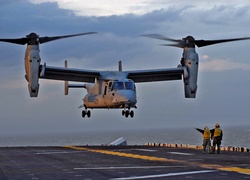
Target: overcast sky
224, 72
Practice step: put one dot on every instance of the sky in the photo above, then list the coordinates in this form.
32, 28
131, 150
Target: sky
224, 71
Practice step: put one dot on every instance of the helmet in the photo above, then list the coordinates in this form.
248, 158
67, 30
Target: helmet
206, 128
217, 125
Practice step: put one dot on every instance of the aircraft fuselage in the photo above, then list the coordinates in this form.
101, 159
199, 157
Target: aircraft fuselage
111, 94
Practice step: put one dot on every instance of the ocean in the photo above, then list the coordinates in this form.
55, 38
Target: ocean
232, 136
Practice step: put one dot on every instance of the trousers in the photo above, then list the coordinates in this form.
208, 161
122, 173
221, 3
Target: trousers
206, 145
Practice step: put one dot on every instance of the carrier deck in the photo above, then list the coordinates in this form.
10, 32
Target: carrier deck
120, 163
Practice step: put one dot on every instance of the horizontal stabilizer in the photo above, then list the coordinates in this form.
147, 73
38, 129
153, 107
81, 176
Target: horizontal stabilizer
67, 86
77, 86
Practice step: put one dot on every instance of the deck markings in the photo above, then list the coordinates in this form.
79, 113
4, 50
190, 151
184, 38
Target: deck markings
128, 167
236, 169
147, 150
179, 153
56, 152
153, 158
136, 156
164, 175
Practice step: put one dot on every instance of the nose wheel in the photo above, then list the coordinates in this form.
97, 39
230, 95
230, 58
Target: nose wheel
86, 113
128, 113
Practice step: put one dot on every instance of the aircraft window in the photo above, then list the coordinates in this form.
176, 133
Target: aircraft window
129, 85
117, 85
110, 84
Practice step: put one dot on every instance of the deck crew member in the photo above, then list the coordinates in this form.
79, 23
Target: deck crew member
216, 135
206, 139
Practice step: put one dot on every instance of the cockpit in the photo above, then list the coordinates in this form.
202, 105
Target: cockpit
121, 85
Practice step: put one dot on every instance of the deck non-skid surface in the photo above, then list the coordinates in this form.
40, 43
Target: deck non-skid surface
124, 162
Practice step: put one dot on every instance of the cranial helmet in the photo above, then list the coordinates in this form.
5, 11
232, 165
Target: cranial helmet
206, 128
217, 125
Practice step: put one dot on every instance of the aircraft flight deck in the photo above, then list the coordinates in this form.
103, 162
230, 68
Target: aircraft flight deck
120, 162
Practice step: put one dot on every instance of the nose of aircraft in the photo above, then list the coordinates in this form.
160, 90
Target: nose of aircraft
127, 96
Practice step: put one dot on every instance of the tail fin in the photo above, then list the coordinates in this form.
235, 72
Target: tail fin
67, 85
66, 88
120, 66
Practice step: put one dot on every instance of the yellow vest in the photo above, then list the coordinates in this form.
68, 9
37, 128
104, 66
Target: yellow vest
206, 135
217, 132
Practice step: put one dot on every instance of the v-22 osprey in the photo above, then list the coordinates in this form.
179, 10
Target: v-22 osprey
112, 89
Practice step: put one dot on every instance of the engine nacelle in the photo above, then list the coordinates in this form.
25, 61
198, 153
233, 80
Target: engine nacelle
191, 63
32, 63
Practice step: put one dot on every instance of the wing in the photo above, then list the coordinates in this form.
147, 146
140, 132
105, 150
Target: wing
80, 75
68, 74
155, 75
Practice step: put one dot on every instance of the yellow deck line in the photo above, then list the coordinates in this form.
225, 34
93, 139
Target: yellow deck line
136, 156
236, 169
152, 158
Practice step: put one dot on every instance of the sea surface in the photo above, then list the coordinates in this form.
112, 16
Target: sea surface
233, 136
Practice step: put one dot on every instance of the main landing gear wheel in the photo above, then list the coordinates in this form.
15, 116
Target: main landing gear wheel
85, 112
126, 113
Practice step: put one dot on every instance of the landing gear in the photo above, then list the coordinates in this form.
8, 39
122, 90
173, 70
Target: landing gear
126, 113
86, 112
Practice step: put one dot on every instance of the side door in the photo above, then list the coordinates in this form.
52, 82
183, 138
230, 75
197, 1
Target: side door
107, 94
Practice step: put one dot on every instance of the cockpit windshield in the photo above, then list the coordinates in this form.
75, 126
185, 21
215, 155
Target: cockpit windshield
117, 85
120, 85
129, 85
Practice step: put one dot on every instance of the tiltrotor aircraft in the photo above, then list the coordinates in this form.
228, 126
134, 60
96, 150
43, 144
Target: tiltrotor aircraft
112, 89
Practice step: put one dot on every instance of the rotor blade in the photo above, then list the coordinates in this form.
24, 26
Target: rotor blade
47, 39
173, 45
161, 37
201, 43
20, 41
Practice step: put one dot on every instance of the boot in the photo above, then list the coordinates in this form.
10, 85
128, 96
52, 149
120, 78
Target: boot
218, 150
213, 149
